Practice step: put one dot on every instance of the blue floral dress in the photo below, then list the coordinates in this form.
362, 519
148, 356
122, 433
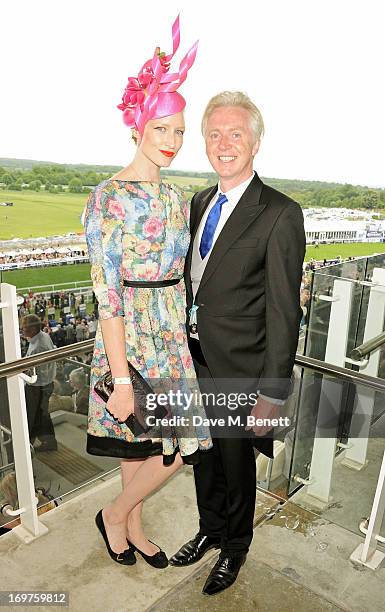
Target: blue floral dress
139, 231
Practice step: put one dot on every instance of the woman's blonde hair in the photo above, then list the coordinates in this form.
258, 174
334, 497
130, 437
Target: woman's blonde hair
235, 98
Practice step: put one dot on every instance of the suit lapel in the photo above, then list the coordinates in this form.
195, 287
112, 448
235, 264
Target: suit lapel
196, 217
245, 212
203, 204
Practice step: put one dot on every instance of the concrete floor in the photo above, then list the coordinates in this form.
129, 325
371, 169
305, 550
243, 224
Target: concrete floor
298, 561
352, 491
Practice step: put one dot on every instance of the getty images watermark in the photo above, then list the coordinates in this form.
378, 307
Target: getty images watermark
215, 404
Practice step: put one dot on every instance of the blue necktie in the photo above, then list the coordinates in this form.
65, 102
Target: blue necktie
211, 225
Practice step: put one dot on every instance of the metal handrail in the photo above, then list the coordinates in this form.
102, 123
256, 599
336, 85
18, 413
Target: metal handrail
78, 363
322, 367
19, 365
330, 369
7, 431
359, 352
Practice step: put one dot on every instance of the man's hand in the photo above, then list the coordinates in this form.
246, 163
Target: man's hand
263, 410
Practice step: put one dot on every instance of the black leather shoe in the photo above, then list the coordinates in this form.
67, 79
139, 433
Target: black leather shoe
193, 550
126, 557
223, 574
158, 560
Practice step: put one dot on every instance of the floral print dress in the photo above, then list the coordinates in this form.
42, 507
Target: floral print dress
138, 231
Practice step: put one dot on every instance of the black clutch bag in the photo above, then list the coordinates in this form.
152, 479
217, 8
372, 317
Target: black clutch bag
136, 422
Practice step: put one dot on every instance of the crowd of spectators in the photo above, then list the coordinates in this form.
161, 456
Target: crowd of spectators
75, 330
63, 316
314, 264
32, 256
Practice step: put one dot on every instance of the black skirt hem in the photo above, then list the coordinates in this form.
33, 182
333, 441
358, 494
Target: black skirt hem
114, 447
121, 449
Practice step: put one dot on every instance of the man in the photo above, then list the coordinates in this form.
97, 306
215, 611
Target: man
37, 394
92, 326
243, 276
59, 335
78, 400
40, 309
70, 330
81, 330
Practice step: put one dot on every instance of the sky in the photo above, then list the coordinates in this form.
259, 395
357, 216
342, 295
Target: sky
314, 68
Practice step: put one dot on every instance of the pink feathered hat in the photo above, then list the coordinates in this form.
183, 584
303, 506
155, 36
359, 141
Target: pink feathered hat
153, 93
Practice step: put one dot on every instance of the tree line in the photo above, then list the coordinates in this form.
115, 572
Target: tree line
57, 178
52, 178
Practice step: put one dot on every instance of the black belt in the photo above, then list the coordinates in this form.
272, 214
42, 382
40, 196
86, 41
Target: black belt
150, 284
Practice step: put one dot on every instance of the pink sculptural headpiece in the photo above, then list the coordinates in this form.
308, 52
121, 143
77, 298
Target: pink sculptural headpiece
153, 94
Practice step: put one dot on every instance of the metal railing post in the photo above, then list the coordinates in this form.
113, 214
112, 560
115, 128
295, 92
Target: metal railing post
366, 553
355, 456
324, 447
30, 527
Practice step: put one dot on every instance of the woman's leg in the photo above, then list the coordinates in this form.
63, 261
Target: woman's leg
134, 520
148, 477
116, 535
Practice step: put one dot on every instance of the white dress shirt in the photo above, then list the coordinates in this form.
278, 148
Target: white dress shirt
198, 264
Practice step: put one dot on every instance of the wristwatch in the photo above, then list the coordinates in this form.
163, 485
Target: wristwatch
121, 380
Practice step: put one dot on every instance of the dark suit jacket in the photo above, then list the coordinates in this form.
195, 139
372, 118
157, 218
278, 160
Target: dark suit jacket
249, 296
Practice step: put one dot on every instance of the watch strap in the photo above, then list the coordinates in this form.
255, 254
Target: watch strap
121, 380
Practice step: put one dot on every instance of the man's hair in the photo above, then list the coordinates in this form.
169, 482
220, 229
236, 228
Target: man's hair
235, 98
31, 320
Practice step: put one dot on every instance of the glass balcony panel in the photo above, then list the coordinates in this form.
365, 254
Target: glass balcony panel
57, 421
8, 488
324, 409
60, 472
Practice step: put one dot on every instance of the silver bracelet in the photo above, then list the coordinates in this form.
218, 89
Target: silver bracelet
121, 380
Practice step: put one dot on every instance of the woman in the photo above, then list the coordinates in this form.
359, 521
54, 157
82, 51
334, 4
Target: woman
137, 235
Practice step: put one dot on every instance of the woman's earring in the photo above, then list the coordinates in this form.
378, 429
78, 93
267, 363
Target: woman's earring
135, 135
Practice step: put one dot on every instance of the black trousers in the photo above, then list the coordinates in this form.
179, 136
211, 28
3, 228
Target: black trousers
225, 481
39, 421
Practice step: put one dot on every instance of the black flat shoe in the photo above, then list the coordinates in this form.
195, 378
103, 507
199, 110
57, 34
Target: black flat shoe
223, 574
158, 560
193, 550
127, 557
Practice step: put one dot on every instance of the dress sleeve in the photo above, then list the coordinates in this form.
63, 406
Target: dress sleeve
103, 222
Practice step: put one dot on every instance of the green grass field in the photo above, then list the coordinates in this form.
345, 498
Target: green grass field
182, 181
40, 214
45, 214
357, 249
51, 275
